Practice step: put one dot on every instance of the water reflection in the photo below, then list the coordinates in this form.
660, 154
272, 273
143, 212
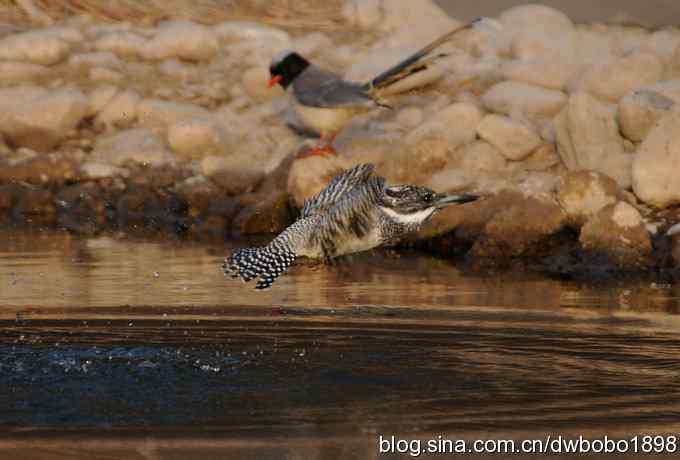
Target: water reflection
119, 336
48, 271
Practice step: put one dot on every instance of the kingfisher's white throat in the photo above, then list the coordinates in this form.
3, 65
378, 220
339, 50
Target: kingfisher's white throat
408, 219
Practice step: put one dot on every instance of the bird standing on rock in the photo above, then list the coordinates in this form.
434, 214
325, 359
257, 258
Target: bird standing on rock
325, 103
355, 212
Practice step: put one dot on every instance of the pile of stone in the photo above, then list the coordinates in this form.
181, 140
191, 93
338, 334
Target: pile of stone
564, 127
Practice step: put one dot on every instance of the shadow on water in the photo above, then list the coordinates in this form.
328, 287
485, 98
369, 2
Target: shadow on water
144, 350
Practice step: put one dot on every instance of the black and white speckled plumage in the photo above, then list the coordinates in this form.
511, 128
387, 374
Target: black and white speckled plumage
355, 212
337, 188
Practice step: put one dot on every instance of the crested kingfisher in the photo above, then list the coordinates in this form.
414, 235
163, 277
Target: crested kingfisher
356, 211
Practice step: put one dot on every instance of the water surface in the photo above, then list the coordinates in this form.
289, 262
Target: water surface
143, 349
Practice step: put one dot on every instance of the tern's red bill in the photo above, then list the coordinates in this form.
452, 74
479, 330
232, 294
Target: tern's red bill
274, 80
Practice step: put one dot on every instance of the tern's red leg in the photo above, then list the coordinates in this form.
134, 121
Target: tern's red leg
327, 147
323, 147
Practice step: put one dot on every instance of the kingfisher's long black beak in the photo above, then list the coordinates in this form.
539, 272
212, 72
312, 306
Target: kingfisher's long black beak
445, 200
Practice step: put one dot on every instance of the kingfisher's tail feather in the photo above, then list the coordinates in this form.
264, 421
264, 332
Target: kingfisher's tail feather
265, 264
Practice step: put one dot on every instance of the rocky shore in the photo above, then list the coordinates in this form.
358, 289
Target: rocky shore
570, 131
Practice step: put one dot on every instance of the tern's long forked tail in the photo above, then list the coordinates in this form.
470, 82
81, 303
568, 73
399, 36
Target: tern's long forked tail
415, 62
264, 264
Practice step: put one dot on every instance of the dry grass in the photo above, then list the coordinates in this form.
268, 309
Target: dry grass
292, 14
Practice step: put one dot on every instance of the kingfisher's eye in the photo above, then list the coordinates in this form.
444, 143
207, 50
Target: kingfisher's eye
428, 198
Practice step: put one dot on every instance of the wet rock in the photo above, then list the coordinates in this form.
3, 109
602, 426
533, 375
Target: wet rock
308, 176
36, 206
9, 195
588, 138
583, 193
450, 180
136, 146
93, 170
104, 59
12, 96
543, 158
362, 13
414, 162
515, 140
209, 228
235, 174
53, 168
16, 72
519, 226
159, 113
182, 39
640, 110
663, 44
232, 32
463, 116
83, 208
629, 40
539, 185
410, 117
413, 22
105, 75
195, 138
253, 43
312, 44
481, 157
515, 98
611, 80
121, 43
130, 206
549, 72
537, 44
198, 192
469, 77
180, 71
655, 179
36, 15
152, 209
120, 111
39, 119
534, 16
99, 97
42, 46
668, 88
593, 45
161, 177
270, 215
487, 39
538, 31
618, 233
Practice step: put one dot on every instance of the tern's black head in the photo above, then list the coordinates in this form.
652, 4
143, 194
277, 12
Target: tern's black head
414, 205
285, 68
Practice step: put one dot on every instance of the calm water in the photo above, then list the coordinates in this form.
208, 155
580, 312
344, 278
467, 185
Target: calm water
113, 347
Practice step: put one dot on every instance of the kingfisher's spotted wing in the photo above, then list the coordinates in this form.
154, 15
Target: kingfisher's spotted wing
337, 188
351, 215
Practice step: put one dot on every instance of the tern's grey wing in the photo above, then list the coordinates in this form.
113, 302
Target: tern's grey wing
337, 188
316, 87
416, 62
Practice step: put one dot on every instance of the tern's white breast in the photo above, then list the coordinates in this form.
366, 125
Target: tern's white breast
322, 120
